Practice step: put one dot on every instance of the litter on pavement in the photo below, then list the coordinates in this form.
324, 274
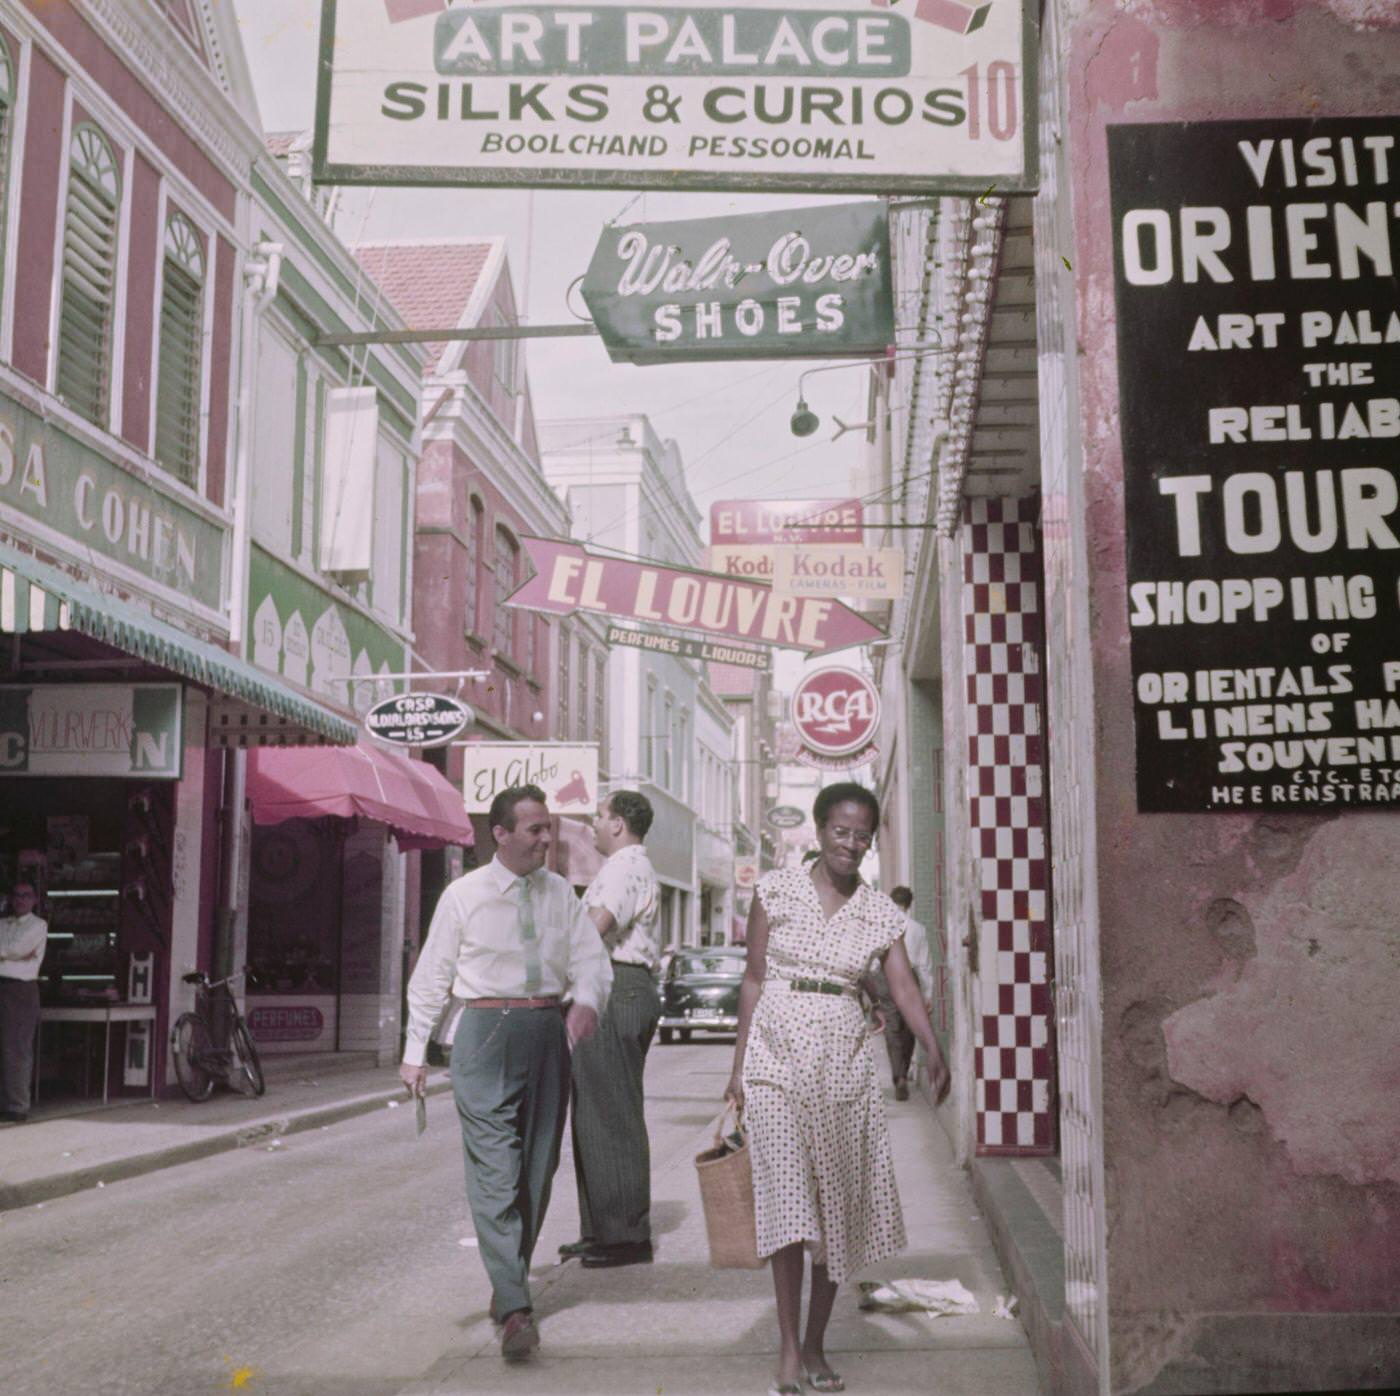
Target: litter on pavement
940, 1298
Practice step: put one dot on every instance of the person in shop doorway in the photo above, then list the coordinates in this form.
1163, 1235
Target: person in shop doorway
804, 1078
899, 1038
23, 937
514, 944
612, 1156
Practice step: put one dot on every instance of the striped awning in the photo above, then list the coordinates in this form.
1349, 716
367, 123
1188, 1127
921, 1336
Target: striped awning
36, 597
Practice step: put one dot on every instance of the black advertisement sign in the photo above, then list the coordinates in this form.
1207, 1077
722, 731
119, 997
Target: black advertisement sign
418, 719
1259, 369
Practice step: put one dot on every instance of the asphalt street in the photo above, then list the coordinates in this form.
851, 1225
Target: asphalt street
340, 1262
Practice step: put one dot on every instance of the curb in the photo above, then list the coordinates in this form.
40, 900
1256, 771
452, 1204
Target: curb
16, 1195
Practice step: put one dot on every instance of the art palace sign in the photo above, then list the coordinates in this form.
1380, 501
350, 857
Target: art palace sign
856, 96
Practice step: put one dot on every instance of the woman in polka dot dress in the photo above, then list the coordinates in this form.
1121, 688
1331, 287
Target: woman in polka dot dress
804, 1076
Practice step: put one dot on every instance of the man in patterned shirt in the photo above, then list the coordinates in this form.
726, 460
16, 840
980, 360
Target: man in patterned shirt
612, 1157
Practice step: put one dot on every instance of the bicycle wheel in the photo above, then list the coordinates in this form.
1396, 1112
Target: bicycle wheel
245, 1059
193, 1047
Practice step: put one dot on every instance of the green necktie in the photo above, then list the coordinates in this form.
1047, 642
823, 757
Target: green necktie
529, 942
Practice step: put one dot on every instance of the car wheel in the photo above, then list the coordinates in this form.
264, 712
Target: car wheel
685, 1034
665, 1037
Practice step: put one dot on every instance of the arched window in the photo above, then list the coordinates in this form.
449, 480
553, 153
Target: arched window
181, 350
89, 275
503, 633
7, 115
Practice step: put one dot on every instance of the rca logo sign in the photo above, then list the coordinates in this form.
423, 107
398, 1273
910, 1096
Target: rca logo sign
836, 711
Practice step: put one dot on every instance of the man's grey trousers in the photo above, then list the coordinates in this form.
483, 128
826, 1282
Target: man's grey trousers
510, 1079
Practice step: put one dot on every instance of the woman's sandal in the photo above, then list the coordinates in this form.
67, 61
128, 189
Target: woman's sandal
825, 1381
786, 1388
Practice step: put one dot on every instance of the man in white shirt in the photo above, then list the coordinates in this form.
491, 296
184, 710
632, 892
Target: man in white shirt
899, 1041
23, 937
514, 944
612, 1156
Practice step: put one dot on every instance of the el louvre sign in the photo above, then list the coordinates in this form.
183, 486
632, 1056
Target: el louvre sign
836, 712
740, 522
568, 774
418, 719
568, 578
829, 96
803, 283
127, 730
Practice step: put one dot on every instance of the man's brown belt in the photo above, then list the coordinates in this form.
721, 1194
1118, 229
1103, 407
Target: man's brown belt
543, 1001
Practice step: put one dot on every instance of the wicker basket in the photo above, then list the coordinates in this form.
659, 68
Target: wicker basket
726, 1193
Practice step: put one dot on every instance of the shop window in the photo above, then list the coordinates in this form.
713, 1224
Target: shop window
178, 384
502, 635
86, 311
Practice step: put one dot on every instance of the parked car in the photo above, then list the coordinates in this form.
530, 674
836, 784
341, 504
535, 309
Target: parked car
700, 992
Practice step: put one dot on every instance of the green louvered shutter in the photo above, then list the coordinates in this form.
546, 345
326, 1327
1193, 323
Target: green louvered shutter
89, 276
181, 351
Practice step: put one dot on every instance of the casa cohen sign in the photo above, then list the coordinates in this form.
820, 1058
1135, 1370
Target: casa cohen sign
859, 96
802, 283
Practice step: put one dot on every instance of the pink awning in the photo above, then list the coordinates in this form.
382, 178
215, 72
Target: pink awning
411, 797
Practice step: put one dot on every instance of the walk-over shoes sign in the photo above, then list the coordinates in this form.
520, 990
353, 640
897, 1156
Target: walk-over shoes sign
1259, 368
803, 283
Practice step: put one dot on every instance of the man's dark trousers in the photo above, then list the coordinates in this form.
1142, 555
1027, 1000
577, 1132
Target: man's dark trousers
899, 1041
19, 1018
612, 1158
510, 1079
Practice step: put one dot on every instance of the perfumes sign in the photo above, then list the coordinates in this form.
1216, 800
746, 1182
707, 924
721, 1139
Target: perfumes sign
824, 96
803, 283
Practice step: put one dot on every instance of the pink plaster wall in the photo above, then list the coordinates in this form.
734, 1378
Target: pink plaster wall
1250, 964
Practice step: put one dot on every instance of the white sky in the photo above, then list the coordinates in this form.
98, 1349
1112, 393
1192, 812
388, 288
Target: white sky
731, 420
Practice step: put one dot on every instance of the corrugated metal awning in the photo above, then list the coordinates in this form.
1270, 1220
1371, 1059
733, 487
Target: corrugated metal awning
37, 597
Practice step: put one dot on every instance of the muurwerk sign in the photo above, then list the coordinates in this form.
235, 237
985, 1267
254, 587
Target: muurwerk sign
825, 96
803, 283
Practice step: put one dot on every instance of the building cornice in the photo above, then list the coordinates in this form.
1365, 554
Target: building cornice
157, 56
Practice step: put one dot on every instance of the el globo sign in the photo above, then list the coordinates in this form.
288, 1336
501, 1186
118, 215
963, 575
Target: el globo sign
807, 282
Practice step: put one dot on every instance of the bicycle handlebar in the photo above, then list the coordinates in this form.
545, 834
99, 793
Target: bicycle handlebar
202, 980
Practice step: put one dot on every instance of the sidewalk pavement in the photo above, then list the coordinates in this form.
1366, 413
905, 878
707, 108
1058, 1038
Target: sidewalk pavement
678, 1327
60, 1153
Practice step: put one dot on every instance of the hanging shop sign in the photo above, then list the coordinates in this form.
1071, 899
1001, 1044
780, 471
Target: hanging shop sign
802, 283
745, 522
786, 817
566, 772
568, 578
684, 647
1259, 357
865, 96
793, 569
746, 874
418, 719
836, 712
130, 731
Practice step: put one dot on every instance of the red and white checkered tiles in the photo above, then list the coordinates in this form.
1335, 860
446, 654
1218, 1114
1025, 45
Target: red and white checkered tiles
1003, 641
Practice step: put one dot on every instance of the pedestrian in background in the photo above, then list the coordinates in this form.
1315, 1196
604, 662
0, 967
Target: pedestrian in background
899, 1037
612, 1156
514, 943
23, 938
804, 1077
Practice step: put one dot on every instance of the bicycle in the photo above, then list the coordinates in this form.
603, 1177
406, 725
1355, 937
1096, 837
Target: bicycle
199, 1064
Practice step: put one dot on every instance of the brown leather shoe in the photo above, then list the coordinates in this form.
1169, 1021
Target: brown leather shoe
519, 1336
